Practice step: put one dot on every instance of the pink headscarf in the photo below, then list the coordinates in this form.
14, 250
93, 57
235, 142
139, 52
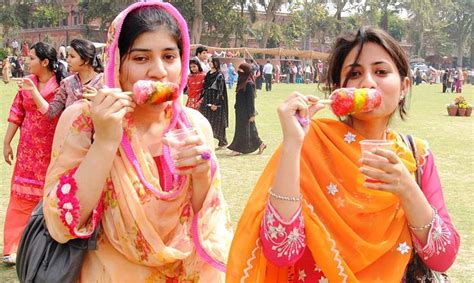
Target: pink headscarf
112, 59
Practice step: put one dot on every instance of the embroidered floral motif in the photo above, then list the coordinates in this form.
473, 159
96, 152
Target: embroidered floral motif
110, 195
340, 202
286, 240
438, 238
349, 137
323, 280
332, 189
69, 205
142, 246
83, 123
143, 194
185, 214
301, 275
403, 248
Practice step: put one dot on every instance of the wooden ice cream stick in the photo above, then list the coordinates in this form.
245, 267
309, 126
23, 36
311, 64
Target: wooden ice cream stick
322, 101
90, 95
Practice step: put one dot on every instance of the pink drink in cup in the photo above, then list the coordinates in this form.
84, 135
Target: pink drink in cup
367, 146
176, 139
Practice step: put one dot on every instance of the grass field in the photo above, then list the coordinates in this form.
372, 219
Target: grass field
451, 140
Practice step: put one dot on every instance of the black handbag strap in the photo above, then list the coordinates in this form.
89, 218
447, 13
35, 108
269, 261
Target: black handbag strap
414, 151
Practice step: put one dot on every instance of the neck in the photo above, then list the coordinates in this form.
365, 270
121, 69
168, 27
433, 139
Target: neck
373, 129
44, 77
86, 75
145, 116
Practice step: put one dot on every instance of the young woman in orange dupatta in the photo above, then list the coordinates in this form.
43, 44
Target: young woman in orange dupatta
160, 222
313, 218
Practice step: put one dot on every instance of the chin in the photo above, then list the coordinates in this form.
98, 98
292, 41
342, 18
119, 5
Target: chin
372, 115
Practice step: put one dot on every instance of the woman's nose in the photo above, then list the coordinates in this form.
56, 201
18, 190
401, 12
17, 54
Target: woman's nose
368, 81
157, 69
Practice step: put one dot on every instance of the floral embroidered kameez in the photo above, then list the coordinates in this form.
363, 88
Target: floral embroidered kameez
148, 229
32, 160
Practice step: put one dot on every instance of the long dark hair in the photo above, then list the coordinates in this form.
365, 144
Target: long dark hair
195, 62
144, 20
217, 63
45, 51
344, 45
87, 52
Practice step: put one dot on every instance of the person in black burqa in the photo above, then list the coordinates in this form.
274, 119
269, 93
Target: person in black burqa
246, 139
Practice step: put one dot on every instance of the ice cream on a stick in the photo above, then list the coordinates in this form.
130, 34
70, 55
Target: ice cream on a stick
150, 92
346, 101
154, 92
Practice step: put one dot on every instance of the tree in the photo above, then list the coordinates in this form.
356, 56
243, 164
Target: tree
271, 8
103, 10
462, 25
48, 14
196, 28
7, 17
217, 18
307, 19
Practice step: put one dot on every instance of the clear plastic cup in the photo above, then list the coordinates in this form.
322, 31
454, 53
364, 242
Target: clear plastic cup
175, 139
367, 147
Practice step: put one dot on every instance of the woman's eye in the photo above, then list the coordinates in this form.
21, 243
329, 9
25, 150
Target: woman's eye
381, 72
140, 58
354, 74
170, 57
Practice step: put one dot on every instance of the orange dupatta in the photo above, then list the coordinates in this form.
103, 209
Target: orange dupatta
353, 235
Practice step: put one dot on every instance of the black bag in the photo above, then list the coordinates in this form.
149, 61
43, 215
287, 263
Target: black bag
41, 259
417, 271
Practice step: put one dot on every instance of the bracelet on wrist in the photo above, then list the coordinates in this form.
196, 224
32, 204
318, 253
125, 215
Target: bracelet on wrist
287, 198
427, 226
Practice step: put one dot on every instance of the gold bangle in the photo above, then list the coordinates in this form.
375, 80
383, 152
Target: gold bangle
435, 213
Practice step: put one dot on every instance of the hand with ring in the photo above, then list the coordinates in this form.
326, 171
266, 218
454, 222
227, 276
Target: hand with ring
192, 156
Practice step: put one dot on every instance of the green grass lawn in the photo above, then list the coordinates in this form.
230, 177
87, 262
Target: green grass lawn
451, 140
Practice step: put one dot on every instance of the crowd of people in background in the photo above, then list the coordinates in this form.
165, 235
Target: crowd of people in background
451, 79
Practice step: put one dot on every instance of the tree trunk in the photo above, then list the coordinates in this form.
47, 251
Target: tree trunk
197, 22
459, 50
472, 47
269, 18
340, 4
422, 38
239, 32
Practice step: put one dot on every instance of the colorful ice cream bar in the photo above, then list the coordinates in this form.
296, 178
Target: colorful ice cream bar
345, 101
154, 92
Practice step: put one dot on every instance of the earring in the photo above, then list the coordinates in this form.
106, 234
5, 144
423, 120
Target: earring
402, 96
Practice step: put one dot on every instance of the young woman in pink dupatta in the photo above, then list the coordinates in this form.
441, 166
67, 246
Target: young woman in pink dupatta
34, 146
111, 167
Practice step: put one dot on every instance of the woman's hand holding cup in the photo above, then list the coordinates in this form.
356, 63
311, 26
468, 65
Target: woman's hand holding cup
190, 154
383, 169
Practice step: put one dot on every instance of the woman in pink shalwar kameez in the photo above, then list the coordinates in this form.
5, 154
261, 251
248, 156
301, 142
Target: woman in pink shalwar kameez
34, 146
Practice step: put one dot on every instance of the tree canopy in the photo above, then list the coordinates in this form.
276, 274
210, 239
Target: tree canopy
438, 27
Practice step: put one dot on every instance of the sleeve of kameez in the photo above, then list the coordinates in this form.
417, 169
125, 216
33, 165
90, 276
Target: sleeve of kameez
61, 207
17, 111
283, 242
57, 105
442, 246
